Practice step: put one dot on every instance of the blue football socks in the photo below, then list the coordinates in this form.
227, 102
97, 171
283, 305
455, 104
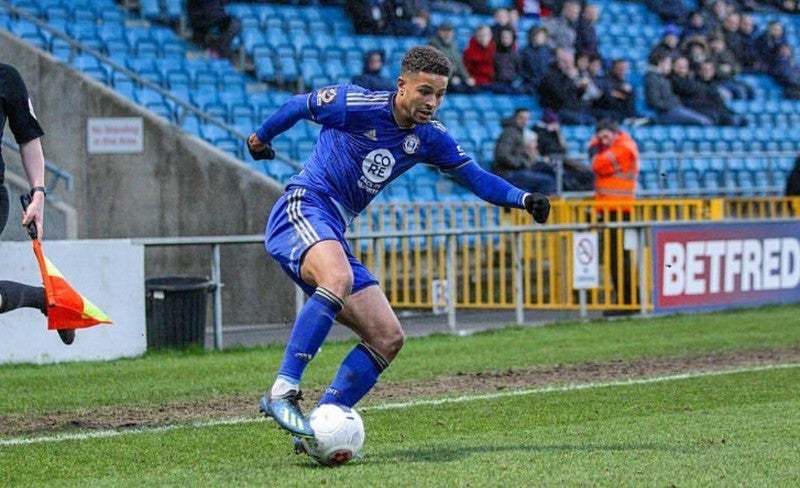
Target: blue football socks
356, 376
310, 330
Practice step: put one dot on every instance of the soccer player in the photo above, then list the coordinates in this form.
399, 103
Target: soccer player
368, 139
16, 106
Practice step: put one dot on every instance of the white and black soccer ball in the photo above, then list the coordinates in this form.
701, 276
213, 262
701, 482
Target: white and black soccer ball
338, 434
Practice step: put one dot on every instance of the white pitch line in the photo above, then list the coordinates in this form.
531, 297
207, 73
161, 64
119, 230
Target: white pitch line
16, 441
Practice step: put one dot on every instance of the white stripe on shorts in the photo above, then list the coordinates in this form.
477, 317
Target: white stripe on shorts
298, 221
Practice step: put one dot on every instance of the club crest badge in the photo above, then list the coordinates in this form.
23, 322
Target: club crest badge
326, 95
411, 144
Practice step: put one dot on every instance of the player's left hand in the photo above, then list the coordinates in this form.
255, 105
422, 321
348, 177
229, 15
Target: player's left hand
259, 150
538, 206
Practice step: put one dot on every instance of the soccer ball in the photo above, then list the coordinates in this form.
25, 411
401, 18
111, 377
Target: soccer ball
338, 434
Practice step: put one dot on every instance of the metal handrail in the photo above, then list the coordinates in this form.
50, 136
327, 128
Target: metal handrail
450, 236
51, 168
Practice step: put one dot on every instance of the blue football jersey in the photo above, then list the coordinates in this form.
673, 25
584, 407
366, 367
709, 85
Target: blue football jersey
361, 149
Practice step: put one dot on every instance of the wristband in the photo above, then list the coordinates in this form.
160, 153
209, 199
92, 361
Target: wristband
39, 188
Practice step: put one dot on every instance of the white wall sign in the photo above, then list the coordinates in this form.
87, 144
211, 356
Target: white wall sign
585, 261
114, 135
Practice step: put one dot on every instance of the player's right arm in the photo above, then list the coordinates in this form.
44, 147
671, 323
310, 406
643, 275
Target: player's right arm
325, 106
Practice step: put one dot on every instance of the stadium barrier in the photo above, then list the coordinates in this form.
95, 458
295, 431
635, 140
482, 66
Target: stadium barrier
406, 262
427, 262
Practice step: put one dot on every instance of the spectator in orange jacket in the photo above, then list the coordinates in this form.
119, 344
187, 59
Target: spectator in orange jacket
479, 57
615, 161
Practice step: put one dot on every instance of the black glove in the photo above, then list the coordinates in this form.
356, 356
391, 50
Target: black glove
537, 205
265, 153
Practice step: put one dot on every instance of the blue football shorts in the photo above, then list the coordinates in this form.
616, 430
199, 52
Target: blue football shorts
300, 219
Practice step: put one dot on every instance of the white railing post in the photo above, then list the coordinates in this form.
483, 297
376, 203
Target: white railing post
451, 283
519, 299
642, 265
216, 275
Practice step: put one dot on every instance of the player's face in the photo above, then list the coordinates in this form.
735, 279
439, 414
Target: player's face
419, 96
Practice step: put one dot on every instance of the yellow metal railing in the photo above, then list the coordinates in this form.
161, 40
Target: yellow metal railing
410, 267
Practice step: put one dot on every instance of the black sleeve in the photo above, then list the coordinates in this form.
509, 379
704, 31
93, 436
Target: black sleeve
18, 109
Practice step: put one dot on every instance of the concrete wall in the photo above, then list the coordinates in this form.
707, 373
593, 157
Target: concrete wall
25, 335
179, 186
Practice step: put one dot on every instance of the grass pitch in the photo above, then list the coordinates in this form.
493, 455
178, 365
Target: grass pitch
719, 429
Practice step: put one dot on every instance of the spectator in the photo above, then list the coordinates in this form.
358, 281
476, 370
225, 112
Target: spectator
502, 20
562, 90
748, 56
615, 161
695, 49
528, 8
723, 115
512, 159
793, 181
368, 16
670, 38
585, 33
695, 26
662, 98
372, 78
212, 27
592, 80
701, 94
788, 6
551, 141
479, 57
460, 80
715, 14
786, 73
407, 18
480, 7
730, 33
670, 11
619, 99
563, 29
506, 62
535, 58
768, 45
552, 147
727, 68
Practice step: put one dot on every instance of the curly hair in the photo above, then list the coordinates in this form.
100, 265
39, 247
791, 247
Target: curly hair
426, 59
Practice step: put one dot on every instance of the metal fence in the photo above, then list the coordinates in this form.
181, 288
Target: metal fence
499, 263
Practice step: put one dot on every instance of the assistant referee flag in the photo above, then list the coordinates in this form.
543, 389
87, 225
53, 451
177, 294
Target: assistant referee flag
66, 308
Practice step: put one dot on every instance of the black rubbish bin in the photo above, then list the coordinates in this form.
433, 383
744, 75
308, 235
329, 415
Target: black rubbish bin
176, 311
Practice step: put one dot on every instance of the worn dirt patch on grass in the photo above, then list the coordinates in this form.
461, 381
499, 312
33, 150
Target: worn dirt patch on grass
460, 384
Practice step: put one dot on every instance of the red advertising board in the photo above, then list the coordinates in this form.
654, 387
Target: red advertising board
716, 266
